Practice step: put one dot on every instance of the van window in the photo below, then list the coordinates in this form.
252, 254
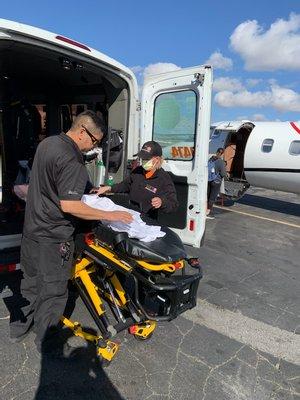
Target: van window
267, 145
294, 149
174, 124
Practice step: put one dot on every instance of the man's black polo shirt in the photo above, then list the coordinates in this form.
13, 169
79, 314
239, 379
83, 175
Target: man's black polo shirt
58, 173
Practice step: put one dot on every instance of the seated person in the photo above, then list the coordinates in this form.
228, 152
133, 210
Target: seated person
149, 186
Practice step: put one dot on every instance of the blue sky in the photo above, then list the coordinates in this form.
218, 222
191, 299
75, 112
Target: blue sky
254, 46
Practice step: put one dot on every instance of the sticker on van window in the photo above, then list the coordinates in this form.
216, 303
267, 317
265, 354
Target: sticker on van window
182, 151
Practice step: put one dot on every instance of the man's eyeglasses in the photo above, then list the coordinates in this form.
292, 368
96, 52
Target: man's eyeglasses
93, 139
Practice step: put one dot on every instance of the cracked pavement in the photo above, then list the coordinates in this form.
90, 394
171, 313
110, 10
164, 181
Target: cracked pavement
251, 273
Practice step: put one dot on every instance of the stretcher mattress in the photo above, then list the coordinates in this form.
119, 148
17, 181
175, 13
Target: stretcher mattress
162, 250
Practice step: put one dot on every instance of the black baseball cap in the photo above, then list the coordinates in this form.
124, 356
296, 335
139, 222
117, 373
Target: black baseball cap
150, 149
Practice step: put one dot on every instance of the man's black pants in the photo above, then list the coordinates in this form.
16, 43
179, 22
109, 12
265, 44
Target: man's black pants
46, 268
213, 189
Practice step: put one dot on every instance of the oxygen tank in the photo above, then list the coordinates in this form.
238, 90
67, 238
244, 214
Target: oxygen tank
100, 171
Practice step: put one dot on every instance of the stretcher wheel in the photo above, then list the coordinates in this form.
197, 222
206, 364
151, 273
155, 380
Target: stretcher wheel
143, 338
106, 354
103, 361
143, 331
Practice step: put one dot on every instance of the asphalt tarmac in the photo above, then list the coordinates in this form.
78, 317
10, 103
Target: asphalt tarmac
241, 341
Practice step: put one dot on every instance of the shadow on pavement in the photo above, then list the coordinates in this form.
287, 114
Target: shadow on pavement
75, 373
69, 372
266, 203
11, 295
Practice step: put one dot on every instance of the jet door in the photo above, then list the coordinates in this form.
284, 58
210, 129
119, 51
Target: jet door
176, 109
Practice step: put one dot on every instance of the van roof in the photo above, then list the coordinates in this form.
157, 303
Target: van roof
13, 29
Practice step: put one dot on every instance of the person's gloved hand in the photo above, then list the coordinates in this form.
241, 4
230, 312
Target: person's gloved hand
156, 202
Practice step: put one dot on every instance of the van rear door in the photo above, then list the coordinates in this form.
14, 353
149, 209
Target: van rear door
176, 111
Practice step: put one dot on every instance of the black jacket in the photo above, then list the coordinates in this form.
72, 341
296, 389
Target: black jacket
142, 190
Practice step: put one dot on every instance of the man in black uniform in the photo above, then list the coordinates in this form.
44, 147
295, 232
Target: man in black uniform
57, 183
149, 186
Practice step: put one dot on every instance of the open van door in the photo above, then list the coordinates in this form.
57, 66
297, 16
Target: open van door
176, 111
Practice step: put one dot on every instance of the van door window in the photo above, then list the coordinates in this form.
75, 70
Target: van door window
267, 145
174, 124
294, 149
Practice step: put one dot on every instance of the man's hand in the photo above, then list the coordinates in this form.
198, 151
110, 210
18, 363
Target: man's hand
122, 216
101, 190
81, 210
156, 202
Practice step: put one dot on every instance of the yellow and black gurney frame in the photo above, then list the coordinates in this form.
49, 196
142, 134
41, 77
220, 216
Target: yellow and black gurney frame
139, 286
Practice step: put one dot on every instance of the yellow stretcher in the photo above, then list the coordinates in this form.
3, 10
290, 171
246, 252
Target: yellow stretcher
139, 283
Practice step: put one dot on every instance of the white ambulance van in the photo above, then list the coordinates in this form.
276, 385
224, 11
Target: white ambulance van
46, 79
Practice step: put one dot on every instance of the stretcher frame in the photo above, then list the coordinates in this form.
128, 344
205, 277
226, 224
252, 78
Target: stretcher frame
96, 275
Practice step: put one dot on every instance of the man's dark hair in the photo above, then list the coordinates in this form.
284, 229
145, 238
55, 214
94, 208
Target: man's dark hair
91, 119
220, 150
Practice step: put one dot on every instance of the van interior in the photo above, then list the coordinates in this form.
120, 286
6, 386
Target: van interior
40, 92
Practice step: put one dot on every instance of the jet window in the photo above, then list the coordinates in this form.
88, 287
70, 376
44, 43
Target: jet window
267, 145
294, 149
174, 124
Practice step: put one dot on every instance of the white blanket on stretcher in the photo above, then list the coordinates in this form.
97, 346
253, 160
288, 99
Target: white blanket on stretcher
137, 229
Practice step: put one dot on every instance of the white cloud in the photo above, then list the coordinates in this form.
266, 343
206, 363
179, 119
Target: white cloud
253, 82
137, 69
285, 99
159, 68
244, 98
152, 69
218, 61
277, 97
255, 117
272, 81
276, 48
259, 117
226, 83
